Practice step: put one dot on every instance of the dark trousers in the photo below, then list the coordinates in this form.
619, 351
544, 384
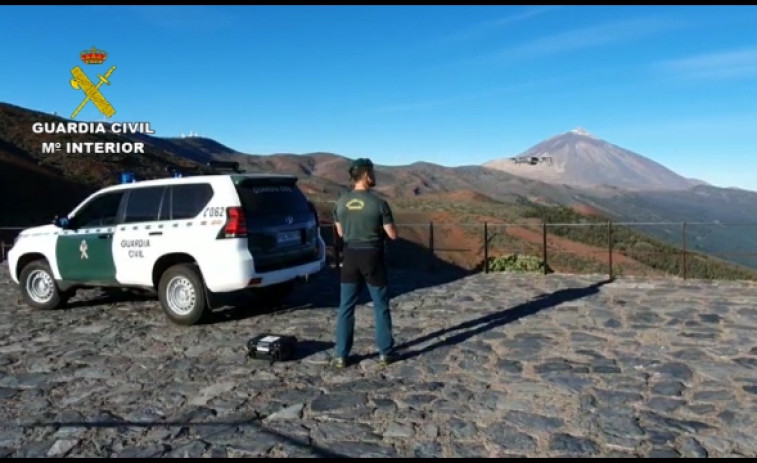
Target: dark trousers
364, 267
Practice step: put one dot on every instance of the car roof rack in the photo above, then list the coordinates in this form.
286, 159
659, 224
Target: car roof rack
220, 165
209, 168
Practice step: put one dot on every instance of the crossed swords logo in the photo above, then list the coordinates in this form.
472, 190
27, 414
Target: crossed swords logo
83, 249
81, 81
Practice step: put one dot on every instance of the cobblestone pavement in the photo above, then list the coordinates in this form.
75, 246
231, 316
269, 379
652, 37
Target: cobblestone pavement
494, 365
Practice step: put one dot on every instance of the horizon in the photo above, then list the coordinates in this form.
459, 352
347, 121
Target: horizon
452, 86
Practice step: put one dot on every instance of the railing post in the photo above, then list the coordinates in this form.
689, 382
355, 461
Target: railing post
486, 247
609, 248
683, 254
544, 245
431, 245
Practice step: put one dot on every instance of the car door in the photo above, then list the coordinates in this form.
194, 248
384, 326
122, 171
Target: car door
84, 251
140, 235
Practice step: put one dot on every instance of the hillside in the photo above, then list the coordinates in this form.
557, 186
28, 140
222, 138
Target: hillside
19, 143
581, 248
579, 159
720, 221
24, 205
35, 187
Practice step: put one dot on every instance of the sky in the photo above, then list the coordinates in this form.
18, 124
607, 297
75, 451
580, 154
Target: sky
451, 85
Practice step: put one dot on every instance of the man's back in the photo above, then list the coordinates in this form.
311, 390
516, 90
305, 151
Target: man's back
362, 215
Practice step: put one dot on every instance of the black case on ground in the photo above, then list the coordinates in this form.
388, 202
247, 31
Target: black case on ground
272, 347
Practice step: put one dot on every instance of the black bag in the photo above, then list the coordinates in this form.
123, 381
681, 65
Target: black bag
273, 347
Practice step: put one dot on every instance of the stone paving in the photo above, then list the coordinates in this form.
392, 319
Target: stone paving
493, 366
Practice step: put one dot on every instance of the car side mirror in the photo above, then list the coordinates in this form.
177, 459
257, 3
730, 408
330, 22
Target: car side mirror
62, 222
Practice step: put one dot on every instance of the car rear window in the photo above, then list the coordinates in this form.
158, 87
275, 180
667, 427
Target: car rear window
271, 198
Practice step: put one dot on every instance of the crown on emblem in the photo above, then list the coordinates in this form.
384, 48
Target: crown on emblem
93, 56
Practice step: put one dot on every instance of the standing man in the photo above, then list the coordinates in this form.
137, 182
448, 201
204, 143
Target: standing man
362, 220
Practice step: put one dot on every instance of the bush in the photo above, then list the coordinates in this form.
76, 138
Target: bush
517, 264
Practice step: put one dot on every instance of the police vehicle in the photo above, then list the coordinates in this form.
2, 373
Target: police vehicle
185, 238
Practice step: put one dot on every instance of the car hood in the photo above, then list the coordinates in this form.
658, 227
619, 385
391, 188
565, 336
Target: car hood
41, 230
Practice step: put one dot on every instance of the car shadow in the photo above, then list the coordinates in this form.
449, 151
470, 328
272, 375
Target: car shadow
107, 296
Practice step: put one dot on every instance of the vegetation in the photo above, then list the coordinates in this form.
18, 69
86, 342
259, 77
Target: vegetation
649, 251
515, 263
650, 256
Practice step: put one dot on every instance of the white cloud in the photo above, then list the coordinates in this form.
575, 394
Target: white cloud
588, 37
486, 27
720, 126
721, 65
183, 17
447, 101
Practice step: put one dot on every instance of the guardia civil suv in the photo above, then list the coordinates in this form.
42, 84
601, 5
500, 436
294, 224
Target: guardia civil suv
185, 238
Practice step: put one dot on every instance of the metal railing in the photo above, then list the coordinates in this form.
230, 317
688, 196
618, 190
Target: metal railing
675, 249
678, 249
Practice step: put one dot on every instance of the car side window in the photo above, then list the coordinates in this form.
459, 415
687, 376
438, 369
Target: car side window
144, 204
188, 200
101, 211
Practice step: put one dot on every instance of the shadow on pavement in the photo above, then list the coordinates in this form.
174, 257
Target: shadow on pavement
110, 296
254, 422
487, 322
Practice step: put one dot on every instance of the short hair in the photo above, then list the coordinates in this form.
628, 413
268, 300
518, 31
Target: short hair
360, 167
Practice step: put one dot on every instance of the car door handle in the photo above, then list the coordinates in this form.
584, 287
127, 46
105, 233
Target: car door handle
104, 236
155, 233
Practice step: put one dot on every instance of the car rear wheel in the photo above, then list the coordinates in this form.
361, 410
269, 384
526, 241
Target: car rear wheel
38, 287
182, 294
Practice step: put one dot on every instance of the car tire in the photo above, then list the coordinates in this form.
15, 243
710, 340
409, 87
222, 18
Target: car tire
182, 294
38, 287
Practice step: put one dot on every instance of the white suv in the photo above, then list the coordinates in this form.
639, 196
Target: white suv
185, 238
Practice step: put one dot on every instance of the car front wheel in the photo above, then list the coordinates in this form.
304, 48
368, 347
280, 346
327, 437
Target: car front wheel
38, 287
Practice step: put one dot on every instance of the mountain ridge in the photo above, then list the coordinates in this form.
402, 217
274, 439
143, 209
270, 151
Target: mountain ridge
323, 176
578, 158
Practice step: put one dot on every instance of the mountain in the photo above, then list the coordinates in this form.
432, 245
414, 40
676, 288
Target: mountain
35, 186
578, 158
43, 190
67, 178
326, 173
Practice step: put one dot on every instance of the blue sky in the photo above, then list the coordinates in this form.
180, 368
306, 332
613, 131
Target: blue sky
452, 85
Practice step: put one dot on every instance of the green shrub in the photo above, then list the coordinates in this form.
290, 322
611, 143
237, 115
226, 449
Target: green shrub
517, 264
